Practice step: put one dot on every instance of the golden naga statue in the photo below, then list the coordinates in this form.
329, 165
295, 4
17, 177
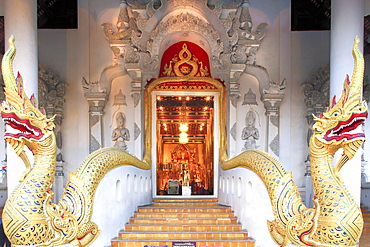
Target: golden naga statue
335, 219
29, 216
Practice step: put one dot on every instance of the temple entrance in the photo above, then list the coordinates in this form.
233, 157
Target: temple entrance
185, 124
184, 145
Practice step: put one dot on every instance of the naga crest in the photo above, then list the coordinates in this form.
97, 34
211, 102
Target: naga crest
28, 124
341, 124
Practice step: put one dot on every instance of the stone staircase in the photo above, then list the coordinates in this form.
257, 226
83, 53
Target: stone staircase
366, 215
183, 223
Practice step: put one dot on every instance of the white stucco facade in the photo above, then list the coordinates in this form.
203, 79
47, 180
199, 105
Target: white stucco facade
284, 57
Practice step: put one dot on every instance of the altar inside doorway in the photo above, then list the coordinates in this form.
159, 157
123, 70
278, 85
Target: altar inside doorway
185, 145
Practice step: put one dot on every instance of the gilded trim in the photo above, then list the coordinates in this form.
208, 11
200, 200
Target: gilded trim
159, 85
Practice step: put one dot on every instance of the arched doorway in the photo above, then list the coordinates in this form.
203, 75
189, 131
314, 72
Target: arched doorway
185, 124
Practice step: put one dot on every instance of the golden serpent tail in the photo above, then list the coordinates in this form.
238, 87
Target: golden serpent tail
284, 195
78, 196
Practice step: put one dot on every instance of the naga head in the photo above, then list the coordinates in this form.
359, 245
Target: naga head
340, 126
26, 125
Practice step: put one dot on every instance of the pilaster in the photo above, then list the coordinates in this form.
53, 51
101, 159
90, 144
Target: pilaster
234, 94
97, 102
272, 102
136, 94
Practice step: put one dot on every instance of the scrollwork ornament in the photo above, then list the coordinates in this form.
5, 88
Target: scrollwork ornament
137, 98
274, 145
137, 131
179, 23
234, 98
233, 132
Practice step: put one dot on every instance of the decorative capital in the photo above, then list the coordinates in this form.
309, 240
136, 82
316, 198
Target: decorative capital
272, 103
234, 98
97, 102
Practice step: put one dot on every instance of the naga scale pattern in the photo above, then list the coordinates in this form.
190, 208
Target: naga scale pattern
335, 219
29, 216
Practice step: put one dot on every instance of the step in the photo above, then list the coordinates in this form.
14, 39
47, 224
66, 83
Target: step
186, 200
153, 209
184, 235
182, 228
185, 204
175, 222
198, 243
366, 214
182, 215
183, 221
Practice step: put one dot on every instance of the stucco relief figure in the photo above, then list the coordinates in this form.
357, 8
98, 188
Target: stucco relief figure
121, 133
126, 19
247, 42
126, 24
250, 132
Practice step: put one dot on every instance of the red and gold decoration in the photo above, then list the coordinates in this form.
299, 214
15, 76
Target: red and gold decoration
29, 216
185, 63
185, 121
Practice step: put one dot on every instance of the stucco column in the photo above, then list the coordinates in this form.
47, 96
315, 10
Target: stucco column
97, 102
136, 94
347, 21
21, 21
272, 102
234, 94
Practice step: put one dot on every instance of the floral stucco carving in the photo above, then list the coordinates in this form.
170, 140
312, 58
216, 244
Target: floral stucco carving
181, 22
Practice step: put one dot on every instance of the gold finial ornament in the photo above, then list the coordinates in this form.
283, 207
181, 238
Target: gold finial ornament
29, 216
185, 64
335, 219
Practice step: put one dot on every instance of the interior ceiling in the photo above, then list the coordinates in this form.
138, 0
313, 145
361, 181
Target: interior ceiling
194, 111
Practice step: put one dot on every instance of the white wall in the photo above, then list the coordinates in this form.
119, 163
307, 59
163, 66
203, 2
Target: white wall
305, 53
119, 194
246, 193
65, 52
73, 54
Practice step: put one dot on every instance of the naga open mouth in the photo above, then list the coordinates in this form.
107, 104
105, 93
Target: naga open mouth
347, 129
20, 127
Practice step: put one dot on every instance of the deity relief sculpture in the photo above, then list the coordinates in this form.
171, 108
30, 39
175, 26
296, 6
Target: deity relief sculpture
247, 41
250, 132
128, 32
126, 24
121, 133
